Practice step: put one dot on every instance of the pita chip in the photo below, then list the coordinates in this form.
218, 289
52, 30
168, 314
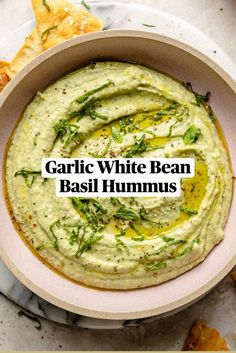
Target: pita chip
30, 50
59, 20
4, 78
204, 338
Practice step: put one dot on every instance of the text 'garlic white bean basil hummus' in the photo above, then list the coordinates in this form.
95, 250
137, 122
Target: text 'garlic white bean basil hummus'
115, 110
103, 177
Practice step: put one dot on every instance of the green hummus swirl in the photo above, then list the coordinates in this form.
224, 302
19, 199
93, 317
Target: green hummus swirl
112, 109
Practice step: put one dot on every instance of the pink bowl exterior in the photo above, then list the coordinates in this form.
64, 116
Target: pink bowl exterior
165, 55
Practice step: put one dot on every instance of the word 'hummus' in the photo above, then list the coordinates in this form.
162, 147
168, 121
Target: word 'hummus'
112, 109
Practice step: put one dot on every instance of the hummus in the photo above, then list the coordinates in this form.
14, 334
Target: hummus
112, 109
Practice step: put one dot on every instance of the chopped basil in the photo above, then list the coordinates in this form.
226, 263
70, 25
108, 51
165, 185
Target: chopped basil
87, 6
74, 237
166, 239
65, 128
85, 96
85, 104
55, 240
117, 137
126, 122
92, 211
147, 25
155, 266
115, 201
166, 246
98, 206
211, 113
94, 115
188, 210
191, 135
138, 238
189, 248
121, 245
133, 226
46, 33
179, 112
126, 213
202, 98
169, 111
28, 175
80, 109
46, 5
104, 153
122, 233
87, 244
140, 146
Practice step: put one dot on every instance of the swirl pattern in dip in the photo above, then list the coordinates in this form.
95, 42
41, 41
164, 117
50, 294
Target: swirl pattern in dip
112, 109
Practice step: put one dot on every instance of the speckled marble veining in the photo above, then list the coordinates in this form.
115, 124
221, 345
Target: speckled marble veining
218, 307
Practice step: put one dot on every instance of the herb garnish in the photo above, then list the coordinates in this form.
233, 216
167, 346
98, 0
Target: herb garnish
191, 135
120, 244
147, 25
115, 201
189, 248
87, 6
74, 237
126, 213
138, 238
200, 99
179, 113
92, 210
169, 111
117, 137
166, 246
104, 153
46, 33
65, 128
52, 230
94, 115
211, 113
87, 244
188, 210
155, 266
73, 230
28, 175
125, 122
85, 96
140, 146
143, 213
84, 104
166, 238
46, 5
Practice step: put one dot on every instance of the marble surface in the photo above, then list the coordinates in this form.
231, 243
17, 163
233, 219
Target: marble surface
198, 26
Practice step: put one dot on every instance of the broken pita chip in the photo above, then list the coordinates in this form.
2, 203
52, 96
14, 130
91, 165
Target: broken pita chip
59, 20
4, 78
4, 64
204, 338
30, 50
233, 275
